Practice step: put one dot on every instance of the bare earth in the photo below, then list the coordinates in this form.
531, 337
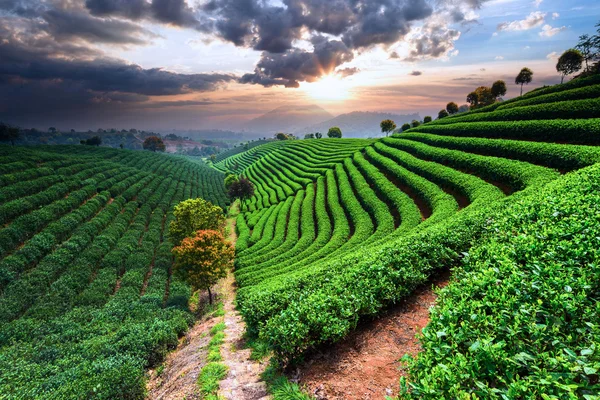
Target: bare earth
182, 366
243, 379
367, 365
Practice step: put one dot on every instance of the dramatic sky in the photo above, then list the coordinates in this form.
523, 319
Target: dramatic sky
195, 64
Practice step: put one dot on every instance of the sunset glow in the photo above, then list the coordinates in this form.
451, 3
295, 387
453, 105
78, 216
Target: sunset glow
329, 88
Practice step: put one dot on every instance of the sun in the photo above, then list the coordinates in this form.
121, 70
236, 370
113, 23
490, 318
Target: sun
329, 88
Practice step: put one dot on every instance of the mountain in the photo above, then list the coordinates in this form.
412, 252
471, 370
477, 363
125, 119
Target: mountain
288, 119
358, 123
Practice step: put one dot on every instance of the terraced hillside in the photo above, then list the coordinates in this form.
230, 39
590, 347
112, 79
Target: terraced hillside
87, 300
366, 229
280, 169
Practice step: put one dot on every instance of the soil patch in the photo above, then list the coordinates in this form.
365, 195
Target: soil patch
367, 364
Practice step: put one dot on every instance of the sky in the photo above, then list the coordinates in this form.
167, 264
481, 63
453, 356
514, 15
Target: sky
176, 64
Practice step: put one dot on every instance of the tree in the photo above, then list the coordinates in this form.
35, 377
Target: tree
318, 135
154, 143
569, 62
281, 136
481, 97
405, 127
387, 126
586, 46
194, 215
52, 129
426, 119
94, 141
452, 108
213, 157
415, 123
230, 180
309, 136
442, 114
9, 133
203, 259
499, 89
72, 130
242, 189
473, 99
334, 132
524, 78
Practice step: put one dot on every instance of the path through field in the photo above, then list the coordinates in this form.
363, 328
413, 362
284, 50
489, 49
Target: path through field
179, 373
366, 364
243, 377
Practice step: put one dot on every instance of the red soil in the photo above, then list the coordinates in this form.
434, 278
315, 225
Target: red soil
367, 364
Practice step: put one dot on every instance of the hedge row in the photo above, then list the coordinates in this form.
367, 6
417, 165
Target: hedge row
520, 318
585, 131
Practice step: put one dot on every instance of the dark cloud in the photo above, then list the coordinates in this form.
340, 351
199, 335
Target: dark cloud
416, 73
297, 65
170, 12
65, 25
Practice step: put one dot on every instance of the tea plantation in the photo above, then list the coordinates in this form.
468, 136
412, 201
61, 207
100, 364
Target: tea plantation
505, 195
87, 300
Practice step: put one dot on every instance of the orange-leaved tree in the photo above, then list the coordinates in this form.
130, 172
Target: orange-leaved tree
203, 259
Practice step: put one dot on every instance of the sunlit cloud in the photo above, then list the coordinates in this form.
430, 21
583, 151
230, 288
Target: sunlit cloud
548, 31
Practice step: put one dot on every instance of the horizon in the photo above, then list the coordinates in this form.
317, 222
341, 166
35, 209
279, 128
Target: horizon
174, 66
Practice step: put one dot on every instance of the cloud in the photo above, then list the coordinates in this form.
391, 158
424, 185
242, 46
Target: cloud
533, 20
296, 65
170, 12
435, 39
526, 47
548, 31
498, 58
555, 15
553, 56
537, 3
346, 72
416, 73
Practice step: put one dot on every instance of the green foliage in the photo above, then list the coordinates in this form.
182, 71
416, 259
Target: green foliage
387, 126
524, 77
569, 62
78, 301
229, 180
451, 108
498, 89
334, 132
441, 114
582, 131
427, 119
210, 376
194, 215
528, 292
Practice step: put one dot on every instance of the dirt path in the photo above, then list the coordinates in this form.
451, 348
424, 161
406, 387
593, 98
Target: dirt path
176, 378
243, 378
366, 364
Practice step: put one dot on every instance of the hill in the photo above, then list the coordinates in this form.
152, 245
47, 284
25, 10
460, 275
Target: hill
326, 242
86, 291
288, 119
358, 124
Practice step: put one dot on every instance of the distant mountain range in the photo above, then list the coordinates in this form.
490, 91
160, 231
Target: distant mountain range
288, 119
358, 123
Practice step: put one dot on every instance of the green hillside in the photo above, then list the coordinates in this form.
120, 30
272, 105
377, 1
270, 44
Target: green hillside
340, 229
87, 300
